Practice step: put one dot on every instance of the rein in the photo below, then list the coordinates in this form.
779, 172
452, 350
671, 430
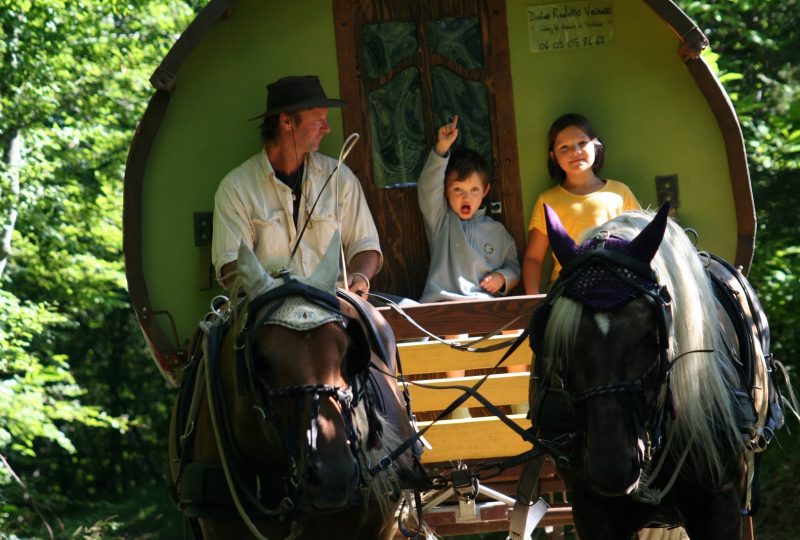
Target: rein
469, 391
232, 465
468, 347
628, 386
541, 447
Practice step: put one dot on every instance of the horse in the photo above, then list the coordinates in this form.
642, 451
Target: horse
634, 383
277, 433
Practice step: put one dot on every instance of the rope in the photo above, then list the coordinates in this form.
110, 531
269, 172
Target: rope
343, 153
212, 408
468, 347
472, 391
647, 495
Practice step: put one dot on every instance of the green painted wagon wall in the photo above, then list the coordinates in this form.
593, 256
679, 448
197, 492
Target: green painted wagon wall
637, 92
206, 133
646, 107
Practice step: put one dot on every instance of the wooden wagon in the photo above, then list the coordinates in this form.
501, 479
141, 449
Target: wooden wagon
508, 68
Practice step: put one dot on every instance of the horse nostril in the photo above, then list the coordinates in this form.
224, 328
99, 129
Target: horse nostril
330, 492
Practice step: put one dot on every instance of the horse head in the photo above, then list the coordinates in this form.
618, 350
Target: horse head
307, 389
605, 344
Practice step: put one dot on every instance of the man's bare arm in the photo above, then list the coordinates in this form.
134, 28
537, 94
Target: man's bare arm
362, 268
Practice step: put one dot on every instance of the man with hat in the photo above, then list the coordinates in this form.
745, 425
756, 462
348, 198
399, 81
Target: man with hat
271, 197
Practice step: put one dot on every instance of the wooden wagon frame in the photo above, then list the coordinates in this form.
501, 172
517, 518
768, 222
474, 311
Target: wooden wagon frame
168, 275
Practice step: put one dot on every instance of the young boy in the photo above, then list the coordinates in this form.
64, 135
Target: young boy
472, 255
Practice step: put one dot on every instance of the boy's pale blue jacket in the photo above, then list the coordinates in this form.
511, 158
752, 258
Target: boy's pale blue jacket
462, 252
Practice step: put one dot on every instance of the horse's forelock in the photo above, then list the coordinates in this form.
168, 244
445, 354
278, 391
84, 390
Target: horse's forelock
561, 333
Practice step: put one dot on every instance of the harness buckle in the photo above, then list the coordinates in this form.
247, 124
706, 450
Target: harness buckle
563, 461
385, 462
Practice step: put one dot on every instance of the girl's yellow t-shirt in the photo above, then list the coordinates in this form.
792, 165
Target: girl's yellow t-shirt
581, 212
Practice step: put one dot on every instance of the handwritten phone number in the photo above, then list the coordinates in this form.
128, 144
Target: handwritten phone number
573, 43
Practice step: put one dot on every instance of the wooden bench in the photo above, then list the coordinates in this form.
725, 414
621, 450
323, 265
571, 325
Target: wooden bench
482, 437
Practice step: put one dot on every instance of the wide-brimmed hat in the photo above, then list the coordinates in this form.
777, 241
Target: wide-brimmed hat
297, 92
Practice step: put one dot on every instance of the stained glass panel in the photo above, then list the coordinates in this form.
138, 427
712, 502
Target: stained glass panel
397, 127
468, 99
458, 38
385, 44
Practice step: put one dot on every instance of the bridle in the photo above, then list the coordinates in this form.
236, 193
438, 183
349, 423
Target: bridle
640, 281
283, 488
260, 312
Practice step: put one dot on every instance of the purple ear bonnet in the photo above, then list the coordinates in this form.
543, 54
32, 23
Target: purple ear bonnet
604, 283
563, 246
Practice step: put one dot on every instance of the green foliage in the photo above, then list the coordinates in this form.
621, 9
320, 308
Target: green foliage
755, 48
82, 411
37, 393
757, 44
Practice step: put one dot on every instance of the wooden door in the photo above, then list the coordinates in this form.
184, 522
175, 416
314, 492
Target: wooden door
405, 67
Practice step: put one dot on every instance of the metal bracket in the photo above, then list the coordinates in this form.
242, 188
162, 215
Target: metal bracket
202, 228
667, 191
525, 518
467, 488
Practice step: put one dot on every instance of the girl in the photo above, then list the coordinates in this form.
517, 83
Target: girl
582, 199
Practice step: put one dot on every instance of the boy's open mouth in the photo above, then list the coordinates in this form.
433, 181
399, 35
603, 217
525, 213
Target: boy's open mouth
465, 208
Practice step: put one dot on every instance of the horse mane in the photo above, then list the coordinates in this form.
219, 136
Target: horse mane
384, 487
701, 383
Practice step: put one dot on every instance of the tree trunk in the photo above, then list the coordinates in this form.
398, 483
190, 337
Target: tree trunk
13, 162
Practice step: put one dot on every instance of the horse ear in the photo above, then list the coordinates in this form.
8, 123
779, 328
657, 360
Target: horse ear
563, 246
645, 245
252, 275
327, 271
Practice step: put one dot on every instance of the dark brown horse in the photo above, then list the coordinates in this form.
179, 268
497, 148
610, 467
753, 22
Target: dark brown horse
280, 424
634, 371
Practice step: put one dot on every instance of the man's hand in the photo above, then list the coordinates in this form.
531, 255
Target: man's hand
358, 283
363, 266
447, 135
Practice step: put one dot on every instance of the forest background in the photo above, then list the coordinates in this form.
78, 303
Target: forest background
83, 410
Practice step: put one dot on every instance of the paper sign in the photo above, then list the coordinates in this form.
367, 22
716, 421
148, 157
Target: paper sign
570, 25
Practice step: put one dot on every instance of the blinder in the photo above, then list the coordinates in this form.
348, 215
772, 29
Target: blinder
600, 269
358, 352
273, 299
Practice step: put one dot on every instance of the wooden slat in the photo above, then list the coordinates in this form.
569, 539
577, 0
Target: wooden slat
432, 357
473, 438
463, 316
499, 389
